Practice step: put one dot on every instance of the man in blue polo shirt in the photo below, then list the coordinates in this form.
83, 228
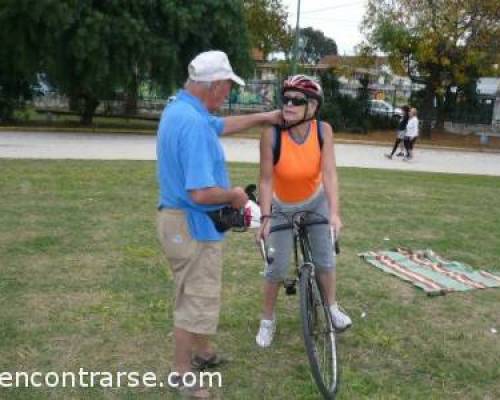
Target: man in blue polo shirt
193, 180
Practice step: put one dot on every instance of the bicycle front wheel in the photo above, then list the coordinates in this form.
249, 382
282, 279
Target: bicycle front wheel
319, 334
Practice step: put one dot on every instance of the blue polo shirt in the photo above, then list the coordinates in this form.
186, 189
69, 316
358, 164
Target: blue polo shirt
190, 156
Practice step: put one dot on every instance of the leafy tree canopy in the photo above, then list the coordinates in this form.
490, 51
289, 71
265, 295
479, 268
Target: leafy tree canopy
316, 45
436, 42
91, 49
453, 37
267, 25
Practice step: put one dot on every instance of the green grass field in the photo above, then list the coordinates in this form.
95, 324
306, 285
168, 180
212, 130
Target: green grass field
83, 284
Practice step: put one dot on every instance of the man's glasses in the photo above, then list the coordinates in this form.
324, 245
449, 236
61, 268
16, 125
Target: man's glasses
294, 101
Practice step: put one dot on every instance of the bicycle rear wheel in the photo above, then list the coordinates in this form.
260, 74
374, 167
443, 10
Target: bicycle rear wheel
319, 334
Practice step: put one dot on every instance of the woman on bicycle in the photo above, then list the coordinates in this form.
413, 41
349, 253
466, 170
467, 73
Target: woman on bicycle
298, 173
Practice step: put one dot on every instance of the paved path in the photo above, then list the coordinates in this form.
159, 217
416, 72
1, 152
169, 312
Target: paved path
45, 145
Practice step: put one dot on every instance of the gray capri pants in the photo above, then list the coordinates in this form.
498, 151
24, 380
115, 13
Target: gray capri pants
282, 241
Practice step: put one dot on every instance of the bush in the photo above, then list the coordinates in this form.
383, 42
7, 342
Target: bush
24, 114
13, 96
382, 122
345, 113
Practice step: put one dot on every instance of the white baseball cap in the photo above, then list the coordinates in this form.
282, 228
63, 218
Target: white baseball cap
212, 66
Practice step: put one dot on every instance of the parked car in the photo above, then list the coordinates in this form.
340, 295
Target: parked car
383, 108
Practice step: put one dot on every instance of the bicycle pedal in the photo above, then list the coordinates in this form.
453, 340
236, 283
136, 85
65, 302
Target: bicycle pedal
290, 286
290, 290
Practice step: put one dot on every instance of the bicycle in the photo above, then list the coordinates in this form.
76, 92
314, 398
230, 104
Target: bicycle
317, 327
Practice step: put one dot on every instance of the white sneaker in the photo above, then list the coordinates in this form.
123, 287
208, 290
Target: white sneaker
340, 319
265, 335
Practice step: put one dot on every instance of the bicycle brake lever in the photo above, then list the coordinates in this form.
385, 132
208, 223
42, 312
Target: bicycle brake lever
264, 253
335, 241
262, 248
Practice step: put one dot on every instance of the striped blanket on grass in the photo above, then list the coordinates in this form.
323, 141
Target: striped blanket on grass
430, 272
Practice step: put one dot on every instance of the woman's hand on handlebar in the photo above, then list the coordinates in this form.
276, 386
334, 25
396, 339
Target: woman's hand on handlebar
264, 229
336, 223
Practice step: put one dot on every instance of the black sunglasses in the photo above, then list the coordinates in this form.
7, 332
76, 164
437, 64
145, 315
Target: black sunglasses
294, 101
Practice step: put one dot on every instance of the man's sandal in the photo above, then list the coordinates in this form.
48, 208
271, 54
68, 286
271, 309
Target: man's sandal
213, 361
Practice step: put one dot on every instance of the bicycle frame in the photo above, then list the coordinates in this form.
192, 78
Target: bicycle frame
313, 304
301, 243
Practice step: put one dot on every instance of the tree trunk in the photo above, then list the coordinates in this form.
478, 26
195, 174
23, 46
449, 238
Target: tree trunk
441, 113
89, 107
131, 97
7, 109
427, 111
427, 114
74, 103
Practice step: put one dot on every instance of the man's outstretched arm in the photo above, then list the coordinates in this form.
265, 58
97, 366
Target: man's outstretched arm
242, 122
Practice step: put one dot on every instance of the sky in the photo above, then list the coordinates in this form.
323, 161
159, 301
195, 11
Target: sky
338, 19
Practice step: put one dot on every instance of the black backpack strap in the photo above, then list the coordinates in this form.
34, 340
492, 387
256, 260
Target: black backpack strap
276, 144
320, 134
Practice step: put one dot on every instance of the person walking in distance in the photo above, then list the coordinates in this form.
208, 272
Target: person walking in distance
411, 134
400, 133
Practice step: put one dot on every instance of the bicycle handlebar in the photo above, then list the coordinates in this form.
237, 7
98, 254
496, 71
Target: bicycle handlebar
284, 227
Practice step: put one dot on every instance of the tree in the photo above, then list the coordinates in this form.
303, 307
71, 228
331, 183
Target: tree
92, 50
26, 33
340, 110
267, 25
316, 45
95, 52
114, 45
177, 31
440, 43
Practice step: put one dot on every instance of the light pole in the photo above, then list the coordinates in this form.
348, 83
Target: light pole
296, 45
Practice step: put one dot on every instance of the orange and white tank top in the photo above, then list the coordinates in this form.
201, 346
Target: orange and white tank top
297, 174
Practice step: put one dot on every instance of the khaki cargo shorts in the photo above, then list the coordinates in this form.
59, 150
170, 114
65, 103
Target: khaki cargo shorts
197, 270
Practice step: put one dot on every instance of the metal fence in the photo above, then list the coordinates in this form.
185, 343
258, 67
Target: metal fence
263, 95
254, 96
